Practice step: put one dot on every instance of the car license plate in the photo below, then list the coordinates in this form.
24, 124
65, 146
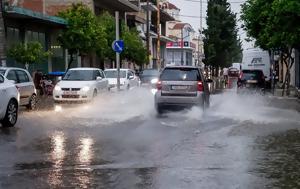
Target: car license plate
70, 93
179, 87
251, 81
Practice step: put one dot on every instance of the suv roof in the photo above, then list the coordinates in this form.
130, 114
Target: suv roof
181, 66
84, 68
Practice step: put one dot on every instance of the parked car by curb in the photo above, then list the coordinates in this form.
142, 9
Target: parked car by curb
24, 83
9, 102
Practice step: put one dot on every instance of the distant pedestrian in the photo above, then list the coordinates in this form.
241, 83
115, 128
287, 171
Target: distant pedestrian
37, 77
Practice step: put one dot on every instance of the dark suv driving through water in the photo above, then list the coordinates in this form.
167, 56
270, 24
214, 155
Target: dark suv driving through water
181, 86
251, 81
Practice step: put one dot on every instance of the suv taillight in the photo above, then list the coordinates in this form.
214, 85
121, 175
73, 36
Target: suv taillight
241, 75
200, 86
159, 85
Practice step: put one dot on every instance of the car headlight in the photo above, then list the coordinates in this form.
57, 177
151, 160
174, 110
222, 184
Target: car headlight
153, 81
57, 88
85, 89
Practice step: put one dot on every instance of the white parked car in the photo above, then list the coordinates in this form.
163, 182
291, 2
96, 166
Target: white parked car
80, 84
9, 102
24, 83
128, 78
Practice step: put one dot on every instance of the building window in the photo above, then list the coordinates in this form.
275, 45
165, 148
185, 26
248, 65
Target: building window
36, 36
13, 36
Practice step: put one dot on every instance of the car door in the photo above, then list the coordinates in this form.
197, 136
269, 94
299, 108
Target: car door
104, 80
25, 85
3, 94
12, 75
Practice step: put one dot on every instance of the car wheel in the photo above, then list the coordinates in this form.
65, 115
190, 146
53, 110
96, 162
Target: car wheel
11, 115
159, 109
204, 105
95, 93
32, 103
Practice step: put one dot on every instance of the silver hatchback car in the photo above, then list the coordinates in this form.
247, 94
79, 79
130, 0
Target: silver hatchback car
24, 83
181, 86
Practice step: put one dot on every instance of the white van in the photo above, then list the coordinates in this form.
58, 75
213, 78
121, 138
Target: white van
237, 66
257, 59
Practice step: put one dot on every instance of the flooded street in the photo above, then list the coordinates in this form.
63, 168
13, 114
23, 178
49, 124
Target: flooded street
120, 142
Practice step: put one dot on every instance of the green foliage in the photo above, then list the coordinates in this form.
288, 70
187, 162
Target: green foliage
86, 33
221, 43
273, 23
83, 33
134, 47
32, 52
107, 21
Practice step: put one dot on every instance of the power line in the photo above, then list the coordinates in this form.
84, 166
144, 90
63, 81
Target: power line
191, 16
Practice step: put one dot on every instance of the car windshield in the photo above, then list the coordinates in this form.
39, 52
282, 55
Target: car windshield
180, 74
150, 73
114, 73
80, 75
251, 75
2, 72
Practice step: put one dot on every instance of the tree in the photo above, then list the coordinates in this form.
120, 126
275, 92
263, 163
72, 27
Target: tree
134, 47
28, 53
274, 24
107, 21
221, 43
83, 34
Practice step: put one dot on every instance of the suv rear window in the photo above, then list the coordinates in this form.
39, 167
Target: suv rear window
252, 75
180, 74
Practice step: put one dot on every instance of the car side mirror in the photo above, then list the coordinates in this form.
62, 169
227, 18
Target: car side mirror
59, 78
99, 78
131, 77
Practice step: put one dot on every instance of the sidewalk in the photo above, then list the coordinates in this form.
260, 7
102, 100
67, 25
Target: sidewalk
285, 102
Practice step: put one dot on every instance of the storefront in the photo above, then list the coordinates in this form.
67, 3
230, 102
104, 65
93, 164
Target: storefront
24, 25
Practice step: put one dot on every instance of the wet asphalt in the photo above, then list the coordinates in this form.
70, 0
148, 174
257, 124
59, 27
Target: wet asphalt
118, 141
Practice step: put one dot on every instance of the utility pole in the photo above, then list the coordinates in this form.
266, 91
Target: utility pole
2, 36
182, 46
148, 32
200, 34
158, 36
118, 54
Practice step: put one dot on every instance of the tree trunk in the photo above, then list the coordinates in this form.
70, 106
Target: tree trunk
70, 61
2, 37
289, 62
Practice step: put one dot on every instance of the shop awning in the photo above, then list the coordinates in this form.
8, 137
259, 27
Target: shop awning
21, 13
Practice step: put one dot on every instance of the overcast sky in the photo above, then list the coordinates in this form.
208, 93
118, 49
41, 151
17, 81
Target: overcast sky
190, 8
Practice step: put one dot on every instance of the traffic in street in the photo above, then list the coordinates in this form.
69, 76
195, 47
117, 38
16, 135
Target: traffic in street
119, 141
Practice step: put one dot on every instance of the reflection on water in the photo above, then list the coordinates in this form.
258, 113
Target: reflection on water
85, 157
57, 156
86, 153
278, 160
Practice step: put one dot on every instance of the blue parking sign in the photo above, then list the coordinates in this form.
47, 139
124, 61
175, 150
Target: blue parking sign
118, 46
